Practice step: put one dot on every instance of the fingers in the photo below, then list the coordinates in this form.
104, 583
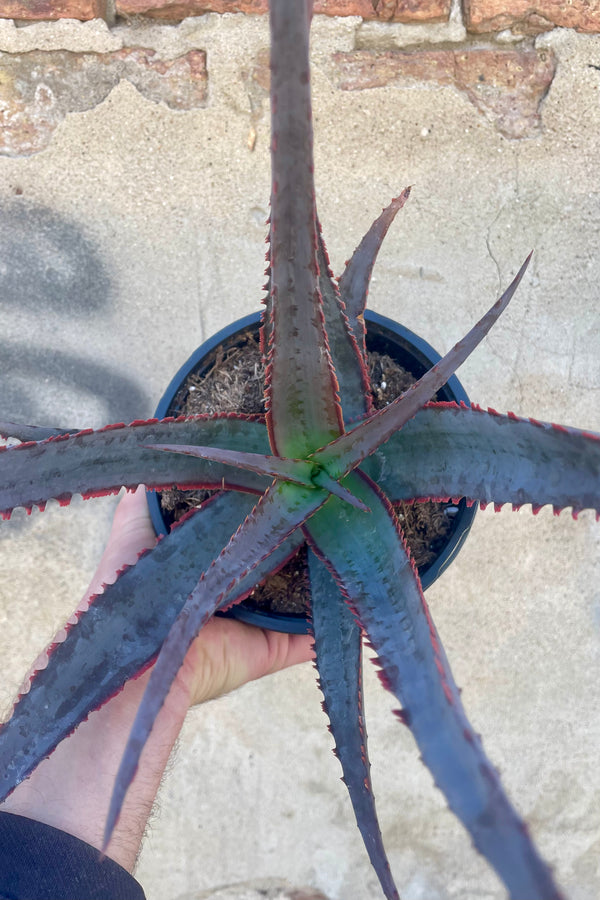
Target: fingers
132, 532
132, 529
227, 654
301, 649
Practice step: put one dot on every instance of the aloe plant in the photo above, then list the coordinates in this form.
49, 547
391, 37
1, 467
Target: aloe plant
325, 469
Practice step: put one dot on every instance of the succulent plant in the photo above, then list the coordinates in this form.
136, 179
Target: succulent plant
325, 468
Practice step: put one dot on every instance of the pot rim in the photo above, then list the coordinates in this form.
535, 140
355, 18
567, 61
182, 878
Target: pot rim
424, 354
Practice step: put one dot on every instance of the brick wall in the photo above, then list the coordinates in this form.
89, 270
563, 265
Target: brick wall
480, 16
487, 49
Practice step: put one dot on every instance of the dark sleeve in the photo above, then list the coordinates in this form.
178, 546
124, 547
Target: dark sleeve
38, 862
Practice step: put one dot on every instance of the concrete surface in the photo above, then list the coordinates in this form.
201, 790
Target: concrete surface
137, 232
261, 889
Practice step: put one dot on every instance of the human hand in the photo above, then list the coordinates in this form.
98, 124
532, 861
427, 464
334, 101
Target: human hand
71, 789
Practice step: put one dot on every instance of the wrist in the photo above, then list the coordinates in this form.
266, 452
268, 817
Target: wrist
71, 789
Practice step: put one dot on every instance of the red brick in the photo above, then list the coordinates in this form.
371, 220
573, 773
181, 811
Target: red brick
386, 10
531, 17
40, 88
506, 86
174, 10
35, 10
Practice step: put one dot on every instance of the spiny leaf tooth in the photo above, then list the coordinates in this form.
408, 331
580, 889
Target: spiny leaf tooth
23, 446
113, 427
57, 438
448, 693
403, 716
385, 681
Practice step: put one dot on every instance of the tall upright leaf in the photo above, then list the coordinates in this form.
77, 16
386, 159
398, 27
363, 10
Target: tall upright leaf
301, 384
355, 279
348, 360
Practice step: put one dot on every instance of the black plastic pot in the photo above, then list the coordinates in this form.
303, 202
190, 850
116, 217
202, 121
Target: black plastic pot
384, 336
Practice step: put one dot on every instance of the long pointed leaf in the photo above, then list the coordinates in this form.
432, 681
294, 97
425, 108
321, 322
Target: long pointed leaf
350, 449
376, 574
297, 470
339, 664
118, 635
276, 516
101, 462
354, 281
300, 381
348, 361
450, 451
324, 480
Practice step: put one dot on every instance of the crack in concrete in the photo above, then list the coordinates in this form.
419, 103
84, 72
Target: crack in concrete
516, 377
521, 339
489, 247
198, 279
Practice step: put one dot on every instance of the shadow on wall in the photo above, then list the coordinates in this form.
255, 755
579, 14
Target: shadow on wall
50, 269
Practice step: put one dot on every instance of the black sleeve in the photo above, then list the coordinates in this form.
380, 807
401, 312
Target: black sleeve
38, 862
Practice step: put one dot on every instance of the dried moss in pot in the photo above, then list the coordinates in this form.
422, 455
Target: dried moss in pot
235, 383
